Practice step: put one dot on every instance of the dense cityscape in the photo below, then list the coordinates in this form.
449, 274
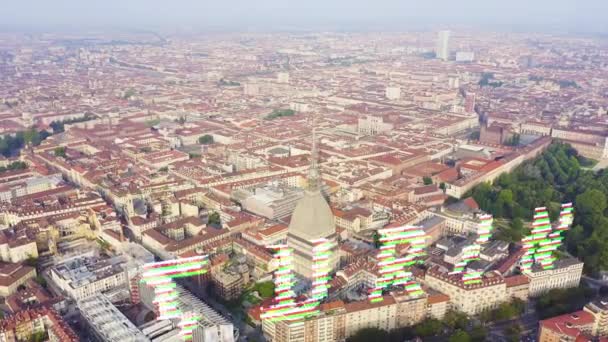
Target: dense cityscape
440, 185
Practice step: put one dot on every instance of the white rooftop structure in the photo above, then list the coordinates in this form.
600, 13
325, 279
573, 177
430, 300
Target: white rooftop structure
161, 331
211, 322
210, 327
107, 322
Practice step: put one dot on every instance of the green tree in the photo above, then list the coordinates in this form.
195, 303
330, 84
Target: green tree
427, 180
590, 205
506, 196
18, 165
513, 140
560, 301
369, 335
41, 281
456, 319
429, 327
376, 238
553, 178
31, 136
214, 219
505, 311
460, 336
205, 139
277, 113
60, 152
265, 289
513, 333
479, 333
129, 93
31, 261
4, 146
57, 126
39, 336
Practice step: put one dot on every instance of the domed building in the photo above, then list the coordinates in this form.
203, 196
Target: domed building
311, 220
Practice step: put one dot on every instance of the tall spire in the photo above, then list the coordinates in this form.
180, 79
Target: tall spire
313, 172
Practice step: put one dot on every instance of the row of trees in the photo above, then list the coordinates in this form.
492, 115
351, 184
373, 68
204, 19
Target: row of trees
513, 140
486, 78
505, 311
455, 327
553, 178
560, 301
59, 126
18, 165
10, 145
277, 113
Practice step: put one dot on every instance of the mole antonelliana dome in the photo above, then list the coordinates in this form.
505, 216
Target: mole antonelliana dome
312, 219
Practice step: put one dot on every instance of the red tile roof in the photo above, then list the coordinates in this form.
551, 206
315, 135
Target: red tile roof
471, 203
568, 324
517, 280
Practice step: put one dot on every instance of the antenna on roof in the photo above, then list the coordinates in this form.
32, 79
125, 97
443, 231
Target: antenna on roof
313, 173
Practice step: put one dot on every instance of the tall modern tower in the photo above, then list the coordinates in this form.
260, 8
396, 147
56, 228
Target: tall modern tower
443, 50
311, 220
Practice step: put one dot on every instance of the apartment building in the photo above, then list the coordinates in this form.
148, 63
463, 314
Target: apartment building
338, 320
565, 274
84, 276
471, 299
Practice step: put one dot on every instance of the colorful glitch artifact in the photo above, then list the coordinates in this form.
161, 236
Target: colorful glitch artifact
322, 254
286, 306
392, 268
160, 276
473, 252
544, 239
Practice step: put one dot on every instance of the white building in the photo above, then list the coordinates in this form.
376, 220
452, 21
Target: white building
471, 299
211, 327
245, 161
269, 201
372, 125
442, 51
18, 251
565, 274
283, 77
85, 276
299, 107
465, 56
29, 186
393, 93
251, 89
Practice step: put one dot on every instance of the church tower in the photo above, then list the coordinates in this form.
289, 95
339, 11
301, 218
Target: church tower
311, 220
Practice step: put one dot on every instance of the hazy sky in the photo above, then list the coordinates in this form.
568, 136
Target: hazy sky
517, 15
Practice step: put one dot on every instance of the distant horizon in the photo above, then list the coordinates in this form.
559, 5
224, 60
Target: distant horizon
540, 16
84, 31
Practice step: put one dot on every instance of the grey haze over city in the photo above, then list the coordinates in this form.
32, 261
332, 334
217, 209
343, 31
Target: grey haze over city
564, 16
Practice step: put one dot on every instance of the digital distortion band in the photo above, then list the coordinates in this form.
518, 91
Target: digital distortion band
286, 307
392, 268
473, 252
544, 240
160, 275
